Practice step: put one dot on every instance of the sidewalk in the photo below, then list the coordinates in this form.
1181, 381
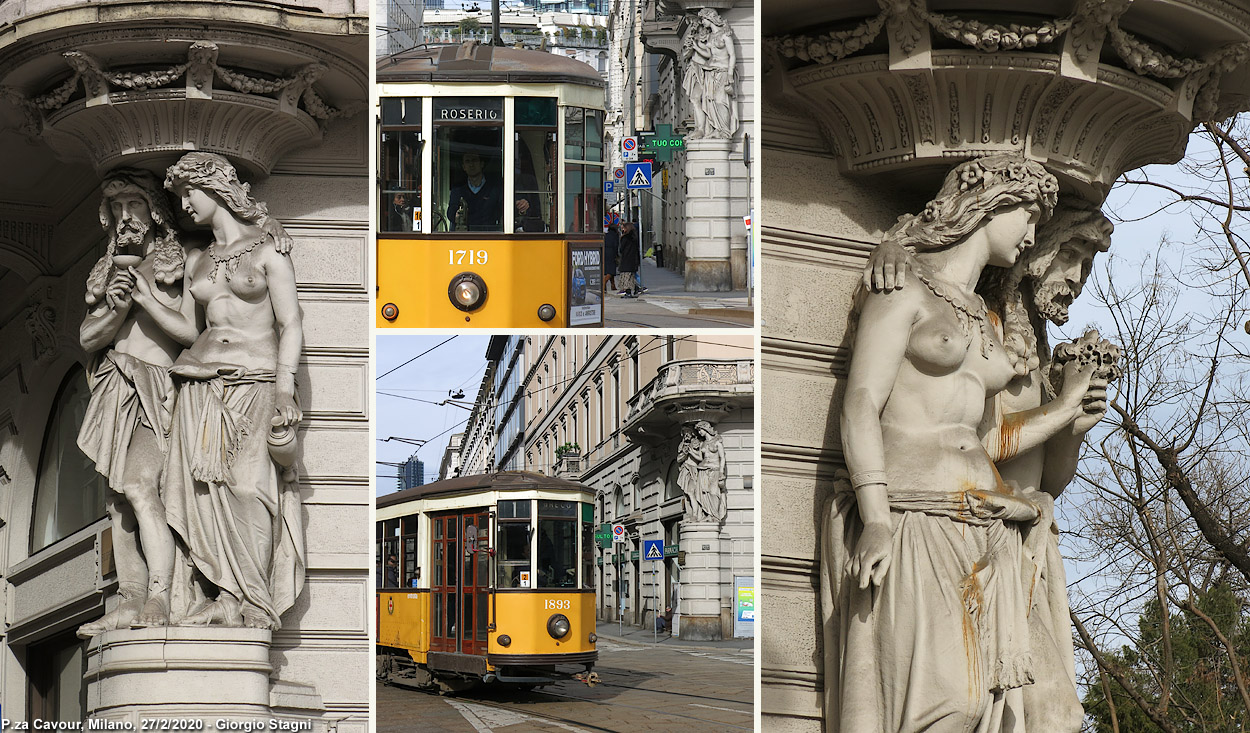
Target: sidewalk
667, 303
610, 631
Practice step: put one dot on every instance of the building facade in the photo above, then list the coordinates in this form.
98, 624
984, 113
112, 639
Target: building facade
86, 89
617, 414
701, 190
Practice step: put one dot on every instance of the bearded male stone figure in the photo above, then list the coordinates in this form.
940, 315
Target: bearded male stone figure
138, 321
1039, 288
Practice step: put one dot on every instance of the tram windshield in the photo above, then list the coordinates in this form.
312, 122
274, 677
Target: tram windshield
490, 164
557, 544
543, 551
468, 164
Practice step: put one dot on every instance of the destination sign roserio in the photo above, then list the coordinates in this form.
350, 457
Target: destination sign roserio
468, 109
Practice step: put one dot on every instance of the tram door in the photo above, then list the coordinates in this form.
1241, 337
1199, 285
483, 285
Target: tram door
460, 584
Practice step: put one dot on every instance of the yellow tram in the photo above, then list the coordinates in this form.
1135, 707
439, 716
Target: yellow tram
490, 200
486, 579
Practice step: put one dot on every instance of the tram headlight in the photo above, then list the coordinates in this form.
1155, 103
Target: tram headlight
558, 626
593, 637
467, 291
504, 640
546, 312
390, 311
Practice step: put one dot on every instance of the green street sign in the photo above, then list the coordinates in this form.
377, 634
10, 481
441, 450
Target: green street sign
662, 144
603, 537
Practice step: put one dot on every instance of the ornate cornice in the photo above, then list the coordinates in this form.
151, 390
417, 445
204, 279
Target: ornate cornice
126, 83
1081, 93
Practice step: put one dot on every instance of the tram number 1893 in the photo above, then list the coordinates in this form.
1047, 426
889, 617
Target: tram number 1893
558, 605
467, 256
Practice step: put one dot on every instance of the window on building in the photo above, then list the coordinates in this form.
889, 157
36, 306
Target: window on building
468, 164
400, 164
54, 668
69, 493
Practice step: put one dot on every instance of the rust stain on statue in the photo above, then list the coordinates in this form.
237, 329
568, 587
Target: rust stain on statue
1009, 437
973, 598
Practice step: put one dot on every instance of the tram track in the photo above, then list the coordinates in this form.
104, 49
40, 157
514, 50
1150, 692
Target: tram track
527, 705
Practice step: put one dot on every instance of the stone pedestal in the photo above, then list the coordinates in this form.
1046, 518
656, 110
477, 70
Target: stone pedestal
196, 673
709, 215
701, 582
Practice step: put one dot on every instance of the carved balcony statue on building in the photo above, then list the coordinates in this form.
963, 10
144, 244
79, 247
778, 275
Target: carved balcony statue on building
229, 482
701, 473
710, 76
929, 553
138, 321
1038, 288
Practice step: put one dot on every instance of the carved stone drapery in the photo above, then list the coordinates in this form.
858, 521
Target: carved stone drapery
1082, 93
709, 70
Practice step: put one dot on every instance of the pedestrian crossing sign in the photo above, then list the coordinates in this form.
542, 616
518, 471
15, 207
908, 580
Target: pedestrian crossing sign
653, 549
638, 175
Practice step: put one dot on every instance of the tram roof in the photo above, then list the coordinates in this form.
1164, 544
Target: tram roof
501, 481
472, 61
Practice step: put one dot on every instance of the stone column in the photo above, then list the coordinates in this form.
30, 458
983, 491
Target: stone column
708, 215
204, 673
701, 581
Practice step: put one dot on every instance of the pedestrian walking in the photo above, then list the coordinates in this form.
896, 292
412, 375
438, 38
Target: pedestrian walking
631, 260
611, 252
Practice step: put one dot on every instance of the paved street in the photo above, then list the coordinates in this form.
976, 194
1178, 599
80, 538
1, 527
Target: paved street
666, 304
667, 687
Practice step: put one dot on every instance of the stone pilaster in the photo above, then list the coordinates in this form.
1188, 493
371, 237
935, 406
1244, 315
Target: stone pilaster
709, 215
701, 582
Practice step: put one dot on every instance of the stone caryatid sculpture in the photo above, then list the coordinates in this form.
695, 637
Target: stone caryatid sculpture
710, 76
701, 473
229, 483
924, 601
1038, 288
138, 321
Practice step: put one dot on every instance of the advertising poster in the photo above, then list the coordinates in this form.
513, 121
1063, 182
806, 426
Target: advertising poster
586, 286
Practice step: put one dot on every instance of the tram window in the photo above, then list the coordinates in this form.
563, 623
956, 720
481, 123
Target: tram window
514, 509
588, 546
408, 562
534, 171
388, 577
400, 163
583, 134
513, 553
468, 164
583, 191
401, 180
557, 544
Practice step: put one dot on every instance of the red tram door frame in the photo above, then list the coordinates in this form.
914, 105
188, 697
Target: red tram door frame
460, 583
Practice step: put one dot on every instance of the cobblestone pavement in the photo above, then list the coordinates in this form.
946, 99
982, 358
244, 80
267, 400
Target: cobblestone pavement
643, 689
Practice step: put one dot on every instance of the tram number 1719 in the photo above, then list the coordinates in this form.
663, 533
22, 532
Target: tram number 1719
558, 605
474, 256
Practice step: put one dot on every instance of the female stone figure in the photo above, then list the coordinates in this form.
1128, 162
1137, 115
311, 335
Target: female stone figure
925, 610
229, 494
710, 76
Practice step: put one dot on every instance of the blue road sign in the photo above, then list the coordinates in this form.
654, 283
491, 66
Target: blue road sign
653, 549
609, 186
638, 175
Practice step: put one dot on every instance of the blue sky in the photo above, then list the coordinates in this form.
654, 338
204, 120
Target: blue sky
457, 364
